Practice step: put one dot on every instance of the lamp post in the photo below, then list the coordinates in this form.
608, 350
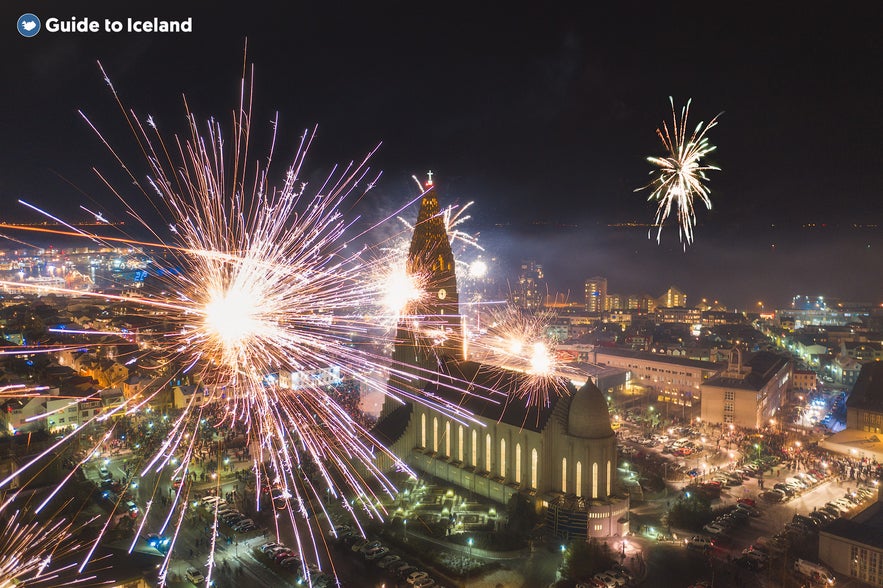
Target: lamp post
405, 523
469, 543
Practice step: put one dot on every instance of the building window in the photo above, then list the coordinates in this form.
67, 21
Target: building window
488, 449
533, 468
435, 434
609, 477
729, 395
564, 475
518, 463
448, 439
598, 527
579, 478
460, 444
503, 458
729, 407
595, 479
728, 418
423, 430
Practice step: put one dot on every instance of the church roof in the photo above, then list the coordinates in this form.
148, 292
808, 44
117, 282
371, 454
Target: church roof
389, 429
492, 393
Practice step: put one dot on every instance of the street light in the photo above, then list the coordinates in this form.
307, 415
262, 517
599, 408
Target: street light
405, 522
469, 543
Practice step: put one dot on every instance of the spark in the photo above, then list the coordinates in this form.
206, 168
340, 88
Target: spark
680, 176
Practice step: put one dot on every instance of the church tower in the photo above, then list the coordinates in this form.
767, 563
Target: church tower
439, 335
430, 256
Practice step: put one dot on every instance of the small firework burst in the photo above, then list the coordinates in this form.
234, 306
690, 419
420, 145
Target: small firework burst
680, 176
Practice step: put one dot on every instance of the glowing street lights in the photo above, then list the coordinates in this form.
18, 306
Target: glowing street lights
469, 543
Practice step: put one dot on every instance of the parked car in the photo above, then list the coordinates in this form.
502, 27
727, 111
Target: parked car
292, 561
418, 575
376, 553
195, 576
751, 510
370, 546
266, 547
387, 561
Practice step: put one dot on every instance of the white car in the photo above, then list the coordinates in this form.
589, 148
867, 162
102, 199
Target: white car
195, 576
418, 575
714, 528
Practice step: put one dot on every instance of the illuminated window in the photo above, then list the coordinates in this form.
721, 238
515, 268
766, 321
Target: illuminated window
533, 468
518, 463
488, 449
448, 439
564, 475
435, 434
460, 444
579, 478
608, 477
423, 430
503, 458
595, 480
474, 447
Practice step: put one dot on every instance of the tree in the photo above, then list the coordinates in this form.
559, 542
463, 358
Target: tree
522, 516
584, 558
691, 511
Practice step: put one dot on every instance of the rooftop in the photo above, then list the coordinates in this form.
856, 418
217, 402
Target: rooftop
764, 367
647, 356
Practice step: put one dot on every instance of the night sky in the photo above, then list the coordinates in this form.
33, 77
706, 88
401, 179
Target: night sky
542, 116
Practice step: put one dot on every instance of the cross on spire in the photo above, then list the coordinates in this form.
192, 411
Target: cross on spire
429, 181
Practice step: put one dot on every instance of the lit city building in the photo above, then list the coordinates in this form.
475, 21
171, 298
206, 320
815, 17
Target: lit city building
596, 294
530, 292
747, 394
667, 378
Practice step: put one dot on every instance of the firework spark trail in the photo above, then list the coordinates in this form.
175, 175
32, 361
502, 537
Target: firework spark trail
268, 284
27, 550
680, 176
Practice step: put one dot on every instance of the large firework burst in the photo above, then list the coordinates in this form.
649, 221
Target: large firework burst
259, 281
680, 176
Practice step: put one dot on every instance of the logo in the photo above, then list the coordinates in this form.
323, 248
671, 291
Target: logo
28, 25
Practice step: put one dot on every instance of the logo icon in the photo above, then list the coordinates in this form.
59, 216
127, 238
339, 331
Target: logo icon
28, 25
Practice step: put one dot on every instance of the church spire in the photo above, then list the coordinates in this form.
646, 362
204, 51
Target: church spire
430, 255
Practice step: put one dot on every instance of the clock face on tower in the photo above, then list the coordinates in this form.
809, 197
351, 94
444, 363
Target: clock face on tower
442, 293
